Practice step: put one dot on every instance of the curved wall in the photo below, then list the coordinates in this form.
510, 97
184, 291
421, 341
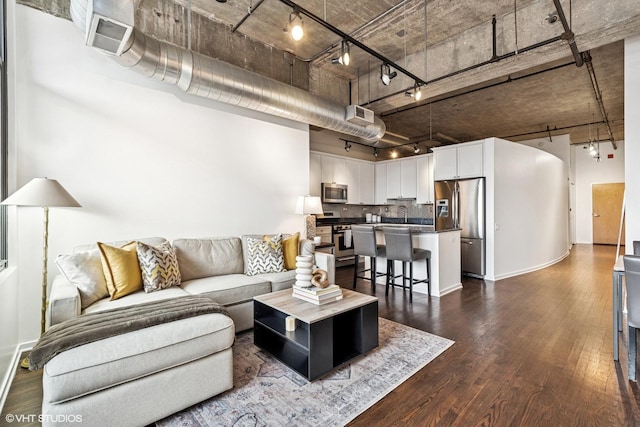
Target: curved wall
527, 209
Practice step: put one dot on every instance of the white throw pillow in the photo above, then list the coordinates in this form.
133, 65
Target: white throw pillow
265, 256
84, 270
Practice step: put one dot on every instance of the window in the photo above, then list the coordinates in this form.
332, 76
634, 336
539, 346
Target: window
3, 135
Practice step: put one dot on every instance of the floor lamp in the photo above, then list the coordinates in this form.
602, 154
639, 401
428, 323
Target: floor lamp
309, 206
44, 193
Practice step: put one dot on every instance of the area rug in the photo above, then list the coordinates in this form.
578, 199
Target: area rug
267, 393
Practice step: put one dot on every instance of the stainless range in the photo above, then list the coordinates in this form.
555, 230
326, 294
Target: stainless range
342, 239
340, 236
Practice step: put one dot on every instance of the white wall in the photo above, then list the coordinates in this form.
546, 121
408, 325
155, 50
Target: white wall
589, 172
560, 146
527, 208
632, 135
143, 158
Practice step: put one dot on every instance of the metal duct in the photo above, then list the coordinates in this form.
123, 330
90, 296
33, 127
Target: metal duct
213, 79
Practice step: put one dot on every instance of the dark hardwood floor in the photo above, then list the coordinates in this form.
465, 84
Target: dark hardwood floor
533, 350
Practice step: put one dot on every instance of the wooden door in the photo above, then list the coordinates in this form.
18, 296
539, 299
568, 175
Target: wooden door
606, 200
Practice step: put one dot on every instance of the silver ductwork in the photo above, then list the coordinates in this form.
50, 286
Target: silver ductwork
213, 79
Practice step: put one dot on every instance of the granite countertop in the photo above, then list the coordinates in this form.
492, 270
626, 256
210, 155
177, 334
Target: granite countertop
414, 228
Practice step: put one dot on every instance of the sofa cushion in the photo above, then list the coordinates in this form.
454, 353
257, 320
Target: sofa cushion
121, 269
155, 241
199, 258
228, 289
158, 265
84, 270
135, 298
279, 281
106, 363
265, 255
290, 251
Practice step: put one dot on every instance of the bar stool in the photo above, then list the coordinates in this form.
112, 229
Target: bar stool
400, 248
364, 244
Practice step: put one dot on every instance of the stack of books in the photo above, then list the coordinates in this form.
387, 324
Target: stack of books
318, 296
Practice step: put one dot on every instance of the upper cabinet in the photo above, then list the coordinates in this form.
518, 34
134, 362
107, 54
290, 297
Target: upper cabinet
402, 176
462, 161
380, 183
358, 175
334, 169
425, 179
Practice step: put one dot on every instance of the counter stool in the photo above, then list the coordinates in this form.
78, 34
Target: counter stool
400, 248
364, 244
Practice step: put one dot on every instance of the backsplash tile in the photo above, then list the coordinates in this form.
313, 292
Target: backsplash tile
417, 213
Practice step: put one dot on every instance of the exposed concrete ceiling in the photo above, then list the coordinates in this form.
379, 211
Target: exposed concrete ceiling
525, 92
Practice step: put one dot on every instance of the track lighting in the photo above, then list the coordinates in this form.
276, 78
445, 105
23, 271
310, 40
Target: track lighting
416, 149
375, 152
416, 93
295, 26
347, 146
386, 75
345, 55
394, 154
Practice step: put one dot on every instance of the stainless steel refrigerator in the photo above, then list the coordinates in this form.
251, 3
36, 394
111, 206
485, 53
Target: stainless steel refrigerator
461, 204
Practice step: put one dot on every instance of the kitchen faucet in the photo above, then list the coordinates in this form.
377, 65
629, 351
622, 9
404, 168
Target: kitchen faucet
403, 207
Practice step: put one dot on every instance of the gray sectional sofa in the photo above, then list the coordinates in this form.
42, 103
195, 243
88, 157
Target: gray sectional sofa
124, 380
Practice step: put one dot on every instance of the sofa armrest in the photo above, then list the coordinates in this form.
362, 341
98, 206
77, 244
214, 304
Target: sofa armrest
64, 301
326, 262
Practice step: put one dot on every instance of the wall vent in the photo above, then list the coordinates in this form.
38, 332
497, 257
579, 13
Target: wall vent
359, 115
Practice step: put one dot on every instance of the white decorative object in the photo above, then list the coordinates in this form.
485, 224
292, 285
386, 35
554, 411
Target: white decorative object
290, 323
304, 268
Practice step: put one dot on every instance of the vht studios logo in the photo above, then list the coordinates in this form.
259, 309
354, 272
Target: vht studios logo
30, 418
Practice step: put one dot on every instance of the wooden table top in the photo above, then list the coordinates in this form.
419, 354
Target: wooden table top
308, 312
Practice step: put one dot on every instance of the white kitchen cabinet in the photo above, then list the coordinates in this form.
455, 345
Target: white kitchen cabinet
352, 179
334, 169
367, 184
315, 174
471, 161
425, 179
394, 179
409, 182
463, 161
402, 179
380, 183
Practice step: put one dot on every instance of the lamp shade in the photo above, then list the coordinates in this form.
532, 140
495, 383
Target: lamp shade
42, 192
309, 205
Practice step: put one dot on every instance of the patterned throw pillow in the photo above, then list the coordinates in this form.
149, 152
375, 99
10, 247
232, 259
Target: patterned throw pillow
158, 265
265, 256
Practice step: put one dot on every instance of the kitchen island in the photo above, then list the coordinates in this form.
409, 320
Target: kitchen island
445, 258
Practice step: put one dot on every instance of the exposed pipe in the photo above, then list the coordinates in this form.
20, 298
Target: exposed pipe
245, 17
469, 68
568, 34
213, 79
353, 41
596, 91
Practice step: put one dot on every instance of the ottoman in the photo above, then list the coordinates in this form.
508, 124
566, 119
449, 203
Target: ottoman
141, 376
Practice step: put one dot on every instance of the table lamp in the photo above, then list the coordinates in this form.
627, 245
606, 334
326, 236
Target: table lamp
44, 193
309, 206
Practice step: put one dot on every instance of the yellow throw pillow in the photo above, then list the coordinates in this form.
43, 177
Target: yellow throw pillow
121, 269
290, 249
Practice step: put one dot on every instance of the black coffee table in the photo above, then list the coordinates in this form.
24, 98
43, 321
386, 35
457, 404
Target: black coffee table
326, 336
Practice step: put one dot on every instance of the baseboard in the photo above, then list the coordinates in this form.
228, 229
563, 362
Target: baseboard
8, 378
531, 269
449, 290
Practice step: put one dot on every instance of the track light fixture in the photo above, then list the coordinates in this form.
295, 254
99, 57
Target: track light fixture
416, 93
345, 54
296, 26
375, 152
394, 154
347, 146
416, 149
386, 75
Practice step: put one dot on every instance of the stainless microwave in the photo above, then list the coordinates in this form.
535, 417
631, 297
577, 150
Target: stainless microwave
333, 193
